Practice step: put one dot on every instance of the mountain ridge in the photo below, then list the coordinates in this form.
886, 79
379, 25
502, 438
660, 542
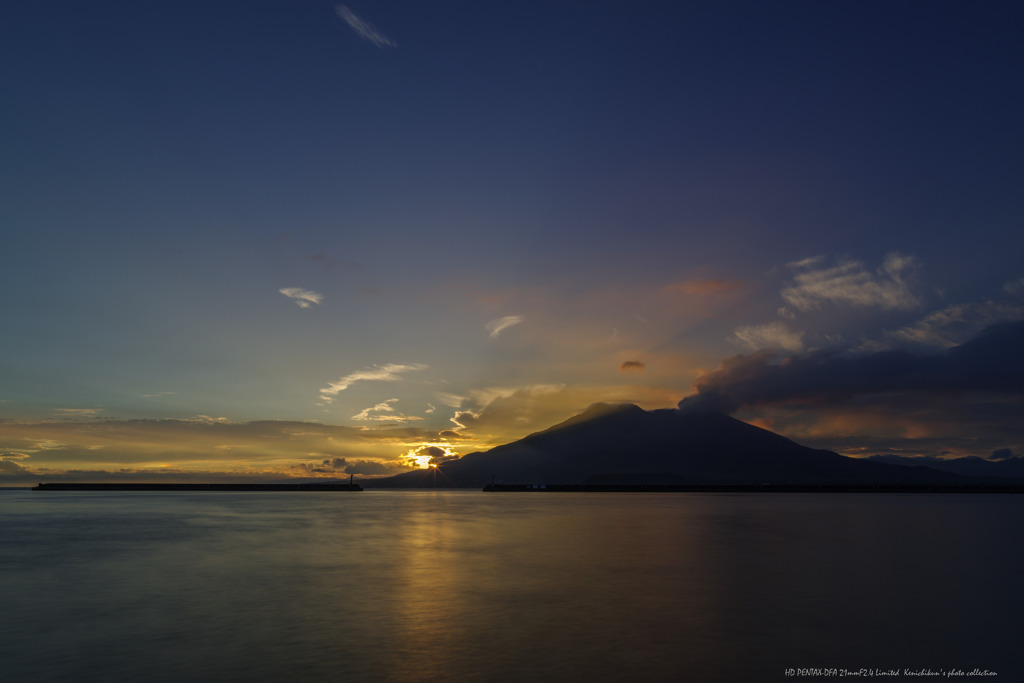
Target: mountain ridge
624, 443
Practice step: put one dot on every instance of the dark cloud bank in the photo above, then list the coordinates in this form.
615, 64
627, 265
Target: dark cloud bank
992, 362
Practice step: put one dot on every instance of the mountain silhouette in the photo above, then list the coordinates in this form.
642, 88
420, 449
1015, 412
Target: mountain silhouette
1010, 469
625, 444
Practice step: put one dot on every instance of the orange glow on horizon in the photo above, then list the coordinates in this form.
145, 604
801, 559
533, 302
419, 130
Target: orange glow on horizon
422, 454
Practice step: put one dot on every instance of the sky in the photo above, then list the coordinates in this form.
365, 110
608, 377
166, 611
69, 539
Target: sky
299, 238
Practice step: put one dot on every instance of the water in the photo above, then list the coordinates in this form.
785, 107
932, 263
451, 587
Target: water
470, 586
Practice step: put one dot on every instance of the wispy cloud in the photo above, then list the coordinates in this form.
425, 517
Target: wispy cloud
850, 283
383, 411
696, 297
956, 324
391, 372
1016, 287
375, 412
363, 28
498, 415
209, 419
771, 336
78, 412
10, 468
497, 326
632, 365
303, 297
511, 404
450, 400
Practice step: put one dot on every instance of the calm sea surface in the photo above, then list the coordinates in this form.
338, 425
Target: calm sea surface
472, 586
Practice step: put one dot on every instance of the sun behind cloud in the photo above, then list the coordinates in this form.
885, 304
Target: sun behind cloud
429, 454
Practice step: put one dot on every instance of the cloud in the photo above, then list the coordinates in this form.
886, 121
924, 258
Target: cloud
771, 336
78, 412
850, 283
955, 324
207, 419
432, 451
437, 454
497, 415
292, 473
693, 297
392, 372
363, 28
337, 466
1016, 288
383, 411
14, 455
371, 468
450, 400
991, 362
373, 412
495, 327
193, 450
303, 297
707, 288
625, 366
10, 467
498, 407
423, 455
808, 262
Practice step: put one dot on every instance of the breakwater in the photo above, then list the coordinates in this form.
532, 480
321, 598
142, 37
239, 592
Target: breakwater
84, 486
764, 488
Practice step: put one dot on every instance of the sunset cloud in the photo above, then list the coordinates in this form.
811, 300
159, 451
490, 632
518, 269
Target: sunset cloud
707, 288
497, 415
78, 412
363, 28
697, 296
334, 467
429, 454
303, 297
383, 411
392, 372
374, 412
9, 467
450, 400
193, 449
502, 407
850, 283
635, 365
497, 326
